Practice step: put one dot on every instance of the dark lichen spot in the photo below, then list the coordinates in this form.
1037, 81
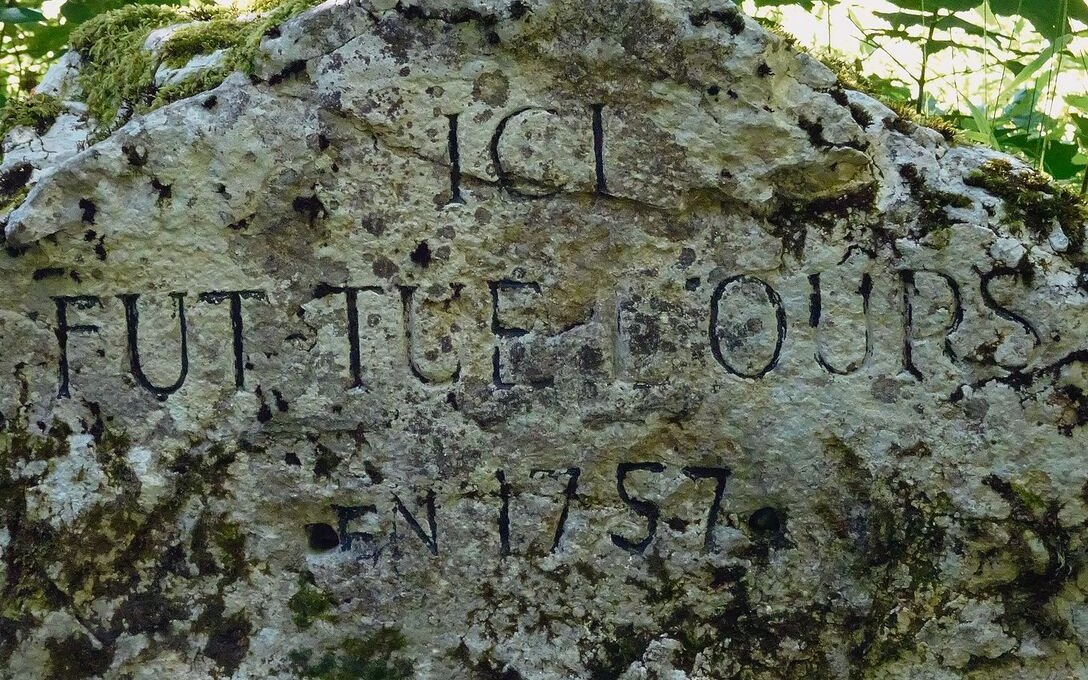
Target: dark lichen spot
228, 642
713, 90
134, 155
311, 207
47, 273
519, 9
291, 458
77, 657
764, 70
164, 191
210, 102
422, 254
730, 17
89, 210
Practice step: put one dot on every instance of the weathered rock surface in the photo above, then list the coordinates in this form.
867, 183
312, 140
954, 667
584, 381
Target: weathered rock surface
537, 340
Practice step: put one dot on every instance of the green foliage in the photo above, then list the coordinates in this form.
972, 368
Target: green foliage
1013, 106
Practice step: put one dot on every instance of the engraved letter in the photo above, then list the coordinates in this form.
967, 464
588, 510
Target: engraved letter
407, 296
910, 291
502, 331
569, 493
132, 321
716, 333
63, 329
455, 163
815, 309
1005, 312
720, 474
235, 297
351, 297
430, 541
644, 508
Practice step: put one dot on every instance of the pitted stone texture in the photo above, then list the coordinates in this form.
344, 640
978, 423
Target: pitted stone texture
538, 340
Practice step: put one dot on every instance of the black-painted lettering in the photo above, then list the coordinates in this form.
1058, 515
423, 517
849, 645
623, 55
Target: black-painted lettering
1005, 312
235, 298
132, 323
720, 475
775, 301
455, 162
504, 514
507, 332
345, 514
505, 181
431, 541
569, 494
351, 299
63, 331
641, 507
407, 297
598, 148
907, 279
815, 311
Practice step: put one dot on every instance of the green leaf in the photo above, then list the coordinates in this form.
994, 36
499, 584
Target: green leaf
1038, 63
1077, 101
945, 23
1045, 15
20, 15
930, 6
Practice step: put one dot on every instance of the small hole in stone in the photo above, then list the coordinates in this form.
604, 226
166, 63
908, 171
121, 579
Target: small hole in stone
322, 537
713, 90
291, 459
210, 102
692, 283
765, 520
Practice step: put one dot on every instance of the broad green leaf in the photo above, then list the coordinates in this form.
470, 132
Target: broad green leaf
945, 23
20, 15
1080, 159
1045, 15
1077, 101
1033, 67
933, 5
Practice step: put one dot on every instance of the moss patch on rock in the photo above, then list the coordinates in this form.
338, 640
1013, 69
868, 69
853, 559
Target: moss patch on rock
1032, 199
117, 70
369, 658
37, 111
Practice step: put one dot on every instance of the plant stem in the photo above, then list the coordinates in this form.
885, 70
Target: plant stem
925, 63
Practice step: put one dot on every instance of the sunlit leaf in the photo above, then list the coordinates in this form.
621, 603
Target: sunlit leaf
1045, 15
20, 15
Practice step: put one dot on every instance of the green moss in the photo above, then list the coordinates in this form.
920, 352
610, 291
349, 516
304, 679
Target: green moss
244, 56
202, 38
309, 604
202, 82
370, 658
38, 111
117, 70
118, 73
1032, 200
